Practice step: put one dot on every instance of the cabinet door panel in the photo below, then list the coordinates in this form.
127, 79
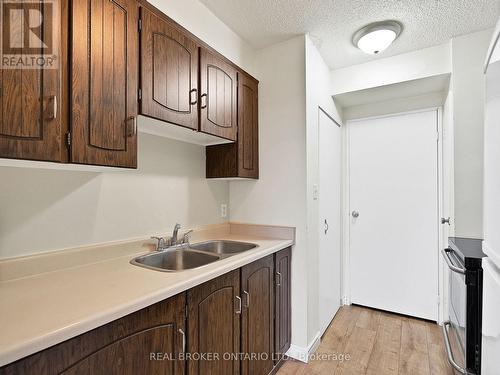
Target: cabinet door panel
169, 72
131, 355
283, 325
239, 159
218, 97
124, 346
104, 82
248, 124
214, 325
257, 281
30, 126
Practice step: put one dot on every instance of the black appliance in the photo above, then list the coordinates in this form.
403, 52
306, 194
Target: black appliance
462, 332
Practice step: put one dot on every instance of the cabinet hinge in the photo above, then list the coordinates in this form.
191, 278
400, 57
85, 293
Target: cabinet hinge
68, 139
139, 94
140, 25
186, 311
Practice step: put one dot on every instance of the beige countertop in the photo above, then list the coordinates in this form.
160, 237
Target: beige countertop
66, 293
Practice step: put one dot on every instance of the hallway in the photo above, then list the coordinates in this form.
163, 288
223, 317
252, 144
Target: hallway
366, 341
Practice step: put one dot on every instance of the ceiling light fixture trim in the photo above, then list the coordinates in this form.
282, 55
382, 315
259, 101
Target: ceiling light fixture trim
376, 37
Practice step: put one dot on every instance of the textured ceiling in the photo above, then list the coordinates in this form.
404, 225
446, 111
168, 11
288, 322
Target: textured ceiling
331, 23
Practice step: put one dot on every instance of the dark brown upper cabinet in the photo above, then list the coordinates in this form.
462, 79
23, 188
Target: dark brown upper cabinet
257, 320
31, 99
218, 103
169, 72
214, 311
283, 324
104, 82
240, 159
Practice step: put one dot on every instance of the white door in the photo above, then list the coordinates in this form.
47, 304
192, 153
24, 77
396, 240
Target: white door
394, 243
330, 163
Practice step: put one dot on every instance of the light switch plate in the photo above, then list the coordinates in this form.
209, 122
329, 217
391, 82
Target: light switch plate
315, 192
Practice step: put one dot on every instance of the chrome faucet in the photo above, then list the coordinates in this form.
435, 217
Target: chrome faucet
174, 234
164, 243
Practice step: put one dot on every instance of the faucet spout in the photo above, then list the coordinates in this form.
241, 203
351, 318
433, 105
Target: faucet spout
175, 233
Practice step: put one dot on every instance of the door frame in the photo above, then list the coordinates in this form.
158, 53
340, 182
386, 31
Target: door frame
444, 192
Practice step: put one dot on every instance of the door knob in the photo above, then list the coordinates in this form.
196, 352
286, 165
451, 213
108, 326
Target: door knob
445, 220
326, 226
355, 214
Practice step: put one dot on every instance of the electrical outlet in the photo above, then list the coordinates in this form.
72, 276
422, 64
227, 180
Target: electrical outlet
223, 210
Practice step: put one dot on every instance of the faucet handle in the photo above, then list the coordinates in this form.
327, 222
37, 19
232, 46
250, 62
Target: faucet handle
186, 236
160, 242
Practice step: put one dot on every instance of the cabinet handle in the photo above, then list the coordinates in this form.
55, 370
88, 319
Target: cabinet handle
204, 96
278, 283
247, 305
195, 100
183, 341
53, 107
132, 129
238, 311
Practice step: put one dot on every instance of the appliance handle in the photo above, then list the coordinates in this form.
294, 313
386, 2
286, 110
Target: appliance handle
455, 365
448, 260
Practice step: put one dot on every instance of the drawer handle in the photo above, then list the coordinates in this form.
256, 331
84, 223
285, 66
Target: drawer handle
195, 100
449, 352
278, 279
204, 102
183, 341
247, 305
238, 311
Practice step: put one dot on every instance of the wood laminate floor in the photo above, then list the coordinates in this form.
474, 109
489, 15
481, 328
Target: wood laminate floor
377, 343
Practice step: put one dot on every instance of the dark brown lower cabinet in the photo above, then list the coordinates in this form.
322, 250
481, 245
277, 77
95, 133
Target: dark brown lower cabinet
144, 342
257, 333
214, 311
283, 323
236, 323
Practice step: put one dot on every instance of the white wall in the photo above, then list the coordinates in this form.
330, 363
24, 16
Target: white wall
385, 71
279, 196
317, 95
51, 209
468, 54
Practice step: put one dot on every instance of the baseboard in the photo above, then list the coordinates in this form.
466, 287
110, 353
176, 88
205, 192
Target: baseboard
301, 353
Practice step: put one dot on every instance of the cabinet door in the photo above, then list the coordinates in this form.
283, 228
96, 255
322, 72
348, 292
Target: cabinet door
149, 341
240, 159
214, 311
169, 72
283, 325
257, 334
30, 99
218, 96
248, 127
104, 87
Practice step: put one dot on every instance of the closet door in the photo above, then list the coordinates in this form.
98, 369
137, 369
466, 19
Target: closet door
169, 72
30, 97
218, 96
104, 87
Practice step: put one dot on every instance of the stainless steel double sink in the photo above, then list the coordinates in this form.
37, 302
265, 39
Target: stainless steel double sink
193, 256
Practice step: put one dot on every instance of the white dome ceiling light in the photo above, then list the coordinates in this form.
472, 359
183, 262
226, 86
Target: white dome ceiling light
377, 36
